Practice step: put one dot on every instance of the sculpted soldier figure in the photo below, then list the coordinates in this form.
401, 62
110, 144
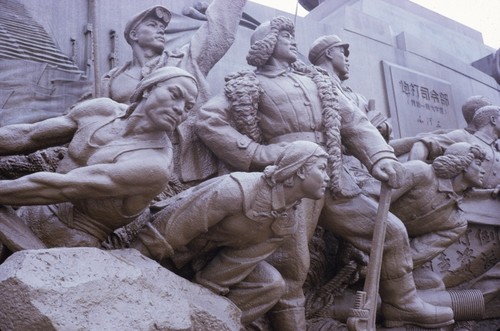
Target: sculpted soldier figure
428, 202
238, 220
486, 122
119, 158
146, 35
483, 130
288, 102
332, 54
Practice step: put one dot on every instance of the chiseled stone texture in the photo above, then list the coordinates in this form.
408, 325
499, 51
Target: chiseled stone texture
90, 289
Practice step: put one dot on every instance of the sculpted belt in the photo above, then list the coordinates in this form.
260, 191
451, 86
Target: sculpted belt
314, 136
75, 219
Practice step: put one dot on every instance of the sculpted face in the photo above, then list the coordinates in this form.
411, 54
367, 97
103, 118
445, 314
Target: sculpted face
286, 47
150, 34
474, 174
339, 61
168, 102
315, 181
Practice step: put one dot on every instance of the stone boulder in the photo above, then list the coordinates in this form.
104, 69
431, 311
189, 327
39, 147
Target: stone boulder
91, 289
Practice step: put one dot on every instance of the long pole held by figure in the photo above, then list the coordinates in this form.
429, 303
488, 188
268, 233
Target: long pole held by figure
363, 316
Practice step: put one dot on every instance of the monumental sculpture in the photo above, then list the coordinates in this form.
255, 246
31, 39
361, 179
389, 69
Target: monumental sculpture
483, 130
289, 88
487, 131
281, 134
428, 202
99, 185
146, 34
332, 54
227, 226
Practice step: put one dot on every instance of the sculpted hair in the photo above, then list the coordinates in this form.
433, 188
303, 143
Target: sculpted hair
451, 165
243, 90
262, 48
484, 114
471, 105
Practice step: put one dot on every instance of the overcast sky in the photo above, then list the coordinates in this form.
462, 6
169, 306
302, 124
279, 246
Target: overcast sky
481, 15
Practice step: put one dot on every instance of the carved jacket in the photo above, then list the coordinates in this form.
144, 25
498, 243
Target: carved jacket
237, 213
289, 109
430, 210
205, 48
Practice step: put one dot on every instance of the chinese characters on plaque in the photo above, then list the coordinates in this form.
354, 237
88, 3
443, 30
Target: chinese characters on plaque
418, 102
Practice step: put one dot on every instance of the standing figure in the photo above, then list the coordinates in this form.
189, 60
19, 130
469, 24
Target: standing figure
119, 158
147, 36
290, 102
332, 54
226, 227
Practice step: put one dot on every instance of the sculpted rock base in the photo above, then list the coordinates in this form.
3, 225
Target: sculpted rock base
91, 289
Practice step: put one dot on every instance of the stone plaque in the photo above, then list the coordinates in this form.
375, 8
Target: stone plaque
418, 102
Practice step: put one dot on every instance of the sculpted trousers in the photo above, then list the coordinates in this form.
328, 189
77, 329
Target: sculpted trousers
245, 278
252, 284
352, 219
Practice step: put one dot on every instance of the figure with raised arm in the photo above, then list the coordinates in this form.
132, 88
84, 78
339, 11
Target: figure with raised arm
147, 36
119, 158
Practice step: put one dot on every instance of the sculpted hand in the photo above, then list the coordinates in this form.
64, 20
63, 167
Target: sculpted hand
267, 154
390, 171
495, 193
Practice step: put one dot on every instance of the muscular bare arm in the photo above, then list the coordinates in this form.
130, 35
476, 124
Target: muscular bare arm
26, 138
131, 177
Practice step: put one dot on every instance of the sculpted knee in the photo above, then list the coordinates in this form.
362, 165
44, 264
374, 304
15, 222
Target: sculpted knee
274, 282
395, 228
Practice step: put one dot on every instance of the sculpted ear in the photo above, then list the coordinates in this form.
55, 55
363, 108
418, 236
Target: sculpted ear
329, 52
301, 173
493, 120
132, 35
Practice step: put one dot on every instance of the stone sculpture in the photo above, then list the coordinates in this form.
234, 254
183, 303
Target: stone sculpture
486, 122
403, 146
119, 158
145, 33
332, 54
428, 202
227, 226
483, 130
297, 102
147, 36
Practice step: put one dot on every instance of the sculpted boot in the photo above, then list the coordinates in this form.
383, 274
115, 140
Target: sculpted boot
401, 305
293, 319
